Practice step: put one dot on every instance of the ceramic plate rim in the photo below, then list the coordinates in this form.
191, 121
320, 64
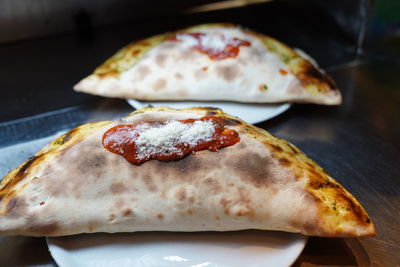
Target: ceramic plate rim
266, 111
294, 247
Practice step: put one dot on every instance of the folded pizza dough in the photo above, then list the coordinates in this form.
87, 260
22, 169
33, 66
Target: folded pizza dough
212, 62
75, 185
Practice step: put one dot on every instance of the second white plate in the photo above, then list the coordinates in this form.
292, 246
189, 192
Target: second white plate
252, 113
166, 249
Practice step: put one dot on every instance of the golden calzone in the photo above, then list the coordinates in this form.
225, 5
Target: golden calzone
78, 185
211, 62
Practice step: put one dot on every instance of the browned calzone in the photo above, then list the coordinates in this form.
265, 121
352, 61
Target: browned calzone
211, 62
74, 185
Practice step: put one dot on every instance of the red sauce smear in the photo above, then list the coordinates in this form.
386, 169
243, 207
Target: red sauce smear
283, 72
121, 139
231, 49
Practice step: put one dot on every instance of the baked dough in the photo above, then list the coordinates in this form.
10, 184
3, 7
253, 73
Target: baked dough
74, 185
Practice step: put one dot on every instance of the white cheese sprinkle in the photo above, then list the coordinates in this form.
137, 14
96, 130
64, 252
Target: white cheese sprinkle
188, 41
162, 139
213, 42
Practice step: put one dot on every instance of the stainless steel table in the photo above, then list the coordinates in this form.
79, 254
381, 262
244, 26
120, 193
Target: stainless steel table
357, 143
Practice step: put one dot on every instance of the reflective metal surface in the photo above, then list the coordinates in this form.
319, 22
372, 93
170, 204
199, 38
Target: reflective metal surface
357, 143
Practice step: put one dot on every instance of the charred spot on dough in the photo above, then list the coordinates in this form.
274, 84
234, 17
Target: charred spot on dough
92, 164
181, 195
309, 73
237, 208
20, 175
45, 229
160, 216
110, 73
285, 161
11, 204
160, 84
275, 148
213, 185
189, 169
148, 181
117, 188
143, 71
339, 200
127, 212
189, 164
251, 167
309, 164
244, 203
314, 175
244, 197
228, 73
160, 60
135, 52
225, 205
242, 212
293, 149
344, 200
153, 188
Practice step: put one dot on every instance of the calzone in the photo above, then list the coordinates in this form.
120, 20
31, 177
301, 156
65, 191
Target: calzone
162, 169
211, 62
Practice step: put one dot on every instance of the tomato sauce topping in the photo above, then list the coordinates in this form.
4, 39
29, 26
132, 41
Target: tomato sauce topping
283, 72
170, 140
217, 47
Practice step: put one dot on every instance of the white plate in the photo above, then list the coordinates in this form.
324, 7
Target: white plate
161, 249
252, 113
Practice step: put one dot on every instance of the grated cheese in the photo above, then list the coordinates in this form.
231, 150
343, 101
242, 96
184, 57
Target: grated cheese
214, 42
162, 139
188, 41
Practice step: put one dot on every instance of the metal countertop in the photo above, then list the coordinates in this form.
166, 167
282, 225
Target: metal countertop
357, 143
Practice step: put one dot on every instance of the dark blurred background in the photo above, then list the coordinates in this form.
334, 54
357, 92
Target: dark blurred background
47, 46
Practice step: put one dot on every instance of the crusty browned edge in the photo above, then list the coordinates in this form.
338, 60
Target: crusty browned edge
332, 199
10, 184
